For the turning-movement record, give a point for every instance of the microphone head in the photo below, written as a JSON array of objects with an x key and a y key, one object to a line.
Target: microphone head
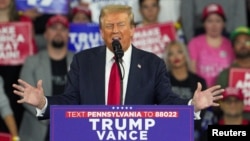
[{"x": 117, "y": 47}]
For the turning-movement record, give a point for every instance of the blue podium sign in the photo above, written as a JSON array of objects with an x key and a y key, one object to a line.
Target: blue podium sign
[{"x": 121, "y": 123}]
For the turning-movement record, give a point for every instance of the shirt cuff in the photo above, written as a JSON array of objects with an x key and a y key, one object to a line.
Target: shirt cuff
[
  {"x": 40, "y": 112},
  {"x": 196, "y": 114}
]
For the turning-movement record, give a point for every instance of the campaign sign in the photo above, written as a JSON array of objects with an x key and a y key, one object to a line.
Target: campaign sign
[
  {"x": 15, "y": 42},
  {"x": 5, "y": 136},
  {"x": 154, "y": 38},
  {"x": 44, "y": 6},
  {"x": 84, "y": 36},
  {"x": 240, "y": 78},
  {"x": 123, "y": 123}
]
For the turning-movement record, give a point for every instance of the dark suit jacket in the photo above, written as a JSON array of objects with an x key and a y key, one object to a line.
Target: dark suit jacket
[{"x": 147, "y": 85}]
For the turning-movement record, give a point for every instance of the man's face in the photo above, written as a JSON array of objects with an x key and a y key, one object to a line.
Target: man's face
[
  {"x": 232, "y": 107},
  {"x": 4, "y": 4},
  {"x": 57, "y": 33},
  {"x": 117, "y": 26},
  {"x": 242, "y": 46},
  {"x": 150, "y": 10}
]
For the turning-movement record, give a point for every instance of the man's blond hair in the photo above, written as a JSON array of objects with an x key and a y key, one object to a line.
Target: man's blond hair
[{"x": 108, "y": 9}]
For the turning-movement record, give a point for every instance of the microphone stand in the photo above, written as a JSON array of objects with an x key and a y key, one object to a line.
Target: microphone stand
[{"x": 118, "y": 59}]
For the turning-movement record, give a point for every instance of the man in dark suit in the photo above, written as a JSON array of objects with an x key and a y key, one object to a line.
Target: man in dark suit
[{"x": 145, "y": 82}]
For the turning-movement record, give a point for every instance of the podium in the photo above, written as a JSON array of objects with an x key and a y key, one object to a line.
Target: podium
[{"x": 121, "y": 123}]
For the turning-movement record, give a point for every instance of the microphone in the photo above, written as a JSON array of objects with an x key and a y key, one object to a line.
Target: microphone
[{"x": 117, "y": 47}]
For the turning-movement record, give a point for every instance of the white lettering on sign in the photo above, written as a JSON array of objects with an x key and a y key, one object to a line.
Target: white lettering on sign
[
  {"x": 151, "y": 40},
  {"x": 122, "y": 129},
  {"x": 83, "y": 41},
  {"x": 244, "y": 85},
  {"x": 9, "y": 42},
  {"x": 39, "y": 2}
]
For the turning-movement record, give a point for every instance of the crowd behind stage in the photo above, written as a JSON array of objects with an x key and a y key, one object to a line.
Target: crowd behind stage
[{"x": 212, "y": 47}]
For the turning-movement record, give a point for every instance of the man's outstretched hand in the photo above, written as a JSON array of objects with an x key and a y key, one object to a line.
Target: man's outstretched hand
[
  {"x": 206, "y": 98},
  {"x": 30, "y": 95}
]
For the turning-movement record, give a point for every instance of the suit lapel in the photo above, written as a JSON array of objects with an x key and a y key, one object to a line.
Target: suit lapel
[
  {"x": 98, "y": 75},
  {"x": 46, "y": 73},
  {"x": 134, "y": 77}
]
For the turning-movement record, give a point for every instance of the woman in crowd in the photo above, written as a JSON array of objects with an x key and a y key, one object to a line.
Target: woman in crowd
[
  {"x": 10, "y": 72},
  {"x": 7, "y": 114},
  {"x": 211, "y": 52},
  {"x": 80, "y": 14},
  {"x": 184, "y": 82}
]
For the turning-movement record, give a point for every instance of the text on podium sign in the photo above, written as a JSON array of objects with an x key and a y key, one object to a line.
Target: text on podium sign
[{"x": 123, "y": 123}]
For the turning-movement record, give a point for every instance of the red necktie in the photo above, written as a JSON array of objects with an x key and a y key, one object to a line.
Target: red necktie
[{"x": 114, "y": 87}]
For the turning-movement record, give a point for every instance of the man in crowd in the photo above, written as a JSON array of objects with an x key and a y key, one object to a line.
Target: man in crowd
[
  {"x": 51, "y": 65},
  {"x": 241, "y": 44},
  {"x": 232, "y": 107}
]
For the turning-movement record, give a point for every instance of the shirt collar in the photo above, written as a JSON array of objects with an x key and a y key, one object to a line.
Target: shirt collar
[{"x": 126, "y": 57}]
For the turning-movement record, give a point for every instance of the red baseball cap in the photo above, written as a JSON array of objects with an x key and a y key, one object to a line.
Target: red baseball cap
[
  {"x": 81, "y": 9},
  {"x": 232, "y": 91},
  {"x": 213, "y": 8},
  {"x": 58, "y": 19}
]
